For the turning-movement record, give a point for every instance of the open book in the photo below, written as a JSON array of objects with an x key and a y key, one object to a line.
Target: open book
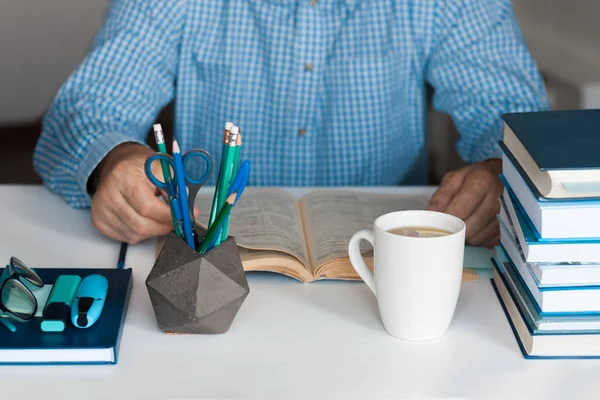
[{"x": 306, "y": 238}]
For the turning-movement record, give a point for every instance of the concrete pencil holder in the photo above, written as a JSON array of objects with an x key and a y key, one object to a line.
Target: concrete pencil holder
[{"x": 196, "y": 293}]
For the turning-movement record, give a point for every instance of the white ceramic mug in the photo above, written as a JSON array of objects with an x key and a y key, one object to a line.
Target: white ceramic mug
[{"x": 416, "y": 280}]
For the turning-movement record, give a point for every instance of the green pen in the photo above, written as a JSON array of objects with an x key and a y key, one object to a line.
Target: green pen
[
  {"x": 236, "y": 162},
  {"x": 166, "y": 170}
]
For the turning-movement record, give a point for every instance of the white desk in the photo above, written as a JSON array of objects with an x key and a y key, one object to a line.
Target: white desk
[{"x": 289, "y": 341}]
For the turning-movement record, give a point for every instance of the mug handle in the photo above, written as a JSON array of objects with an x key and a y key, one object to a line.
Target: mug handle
[{"x": 356, "y": 259}]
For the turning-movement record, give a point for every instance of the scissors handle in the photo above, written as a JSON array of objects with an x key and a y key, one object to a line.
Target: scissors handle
[
  {"x": 194, "y": 185},
  {"x": 148, "y": 169},
  {"x": 203, "y": 154}
]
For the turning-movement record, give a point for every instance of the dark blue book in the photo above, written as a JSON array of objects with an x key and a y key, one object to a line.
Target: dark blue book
[
  {"x": 98, "y": 344},
  {"x": 556, "y": 152}
]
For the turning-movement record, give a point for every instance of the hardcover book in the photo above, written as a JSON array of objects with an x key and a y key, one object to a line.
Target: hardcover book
[
  {"x": 557, "y": 151},
  {"x": 535, "y": 344},
  {"x": 98, "y": 344}
]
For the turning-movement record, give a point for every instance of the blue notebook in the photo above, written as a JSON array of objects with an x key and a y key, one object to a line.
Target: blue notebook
[
  {"x": 98, "y": 344},
  {"x": 555, "y": 151}
]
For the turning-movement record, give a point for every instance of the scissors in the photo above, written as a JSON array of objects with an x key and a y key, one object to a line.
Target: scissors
[{"x": 193, "y": 185}]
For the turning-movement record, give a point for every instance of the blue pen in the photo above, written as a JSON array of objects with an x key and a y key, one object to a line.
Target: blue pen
[
  {"x": 182, "y": 197},
  {"x": 238, "y": 185},
  {"x": 241, "y": 179}
]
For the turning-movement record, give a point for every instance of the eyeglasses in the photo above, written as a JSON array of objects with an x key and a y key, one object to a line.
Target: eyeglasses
[{"x": 17, "y": 301}]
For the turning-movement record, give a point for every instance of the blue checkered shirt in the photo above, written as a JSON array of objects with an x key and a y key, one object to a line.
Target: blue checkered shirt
[{"x": 326, "y": 92}]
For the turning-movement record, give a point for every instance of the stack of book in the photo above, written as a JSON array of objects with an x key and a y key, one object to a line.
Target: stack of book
[{"x": 547, "y": 266}]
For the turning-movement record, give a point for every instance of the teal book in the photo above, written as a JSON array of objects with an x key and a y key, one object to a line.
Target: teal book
[
  {"x": 564, "y": 300},
  {"x": 535, "y": 344},
  {"x": 541, "y": 322},
  {"x": 98, "y": 344},
  {"x": 556, "y": 152}
]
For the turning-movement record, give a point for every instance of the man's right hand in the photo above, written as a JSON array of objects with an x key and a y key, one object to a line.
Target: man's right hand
[{"x": 126, "y": 205}]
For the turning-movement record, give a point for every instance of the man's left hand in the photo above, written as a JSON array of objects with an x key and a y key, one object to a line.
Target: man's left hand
[{"x": 471, "y": 194}]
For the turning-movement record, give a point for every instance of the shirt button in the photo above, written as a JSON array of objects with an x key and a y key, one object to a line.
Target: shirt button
[
  {"x": 314, "y": 2},
  {"x": 308, "y": 67},
  {"x": 301, "y": 132}
]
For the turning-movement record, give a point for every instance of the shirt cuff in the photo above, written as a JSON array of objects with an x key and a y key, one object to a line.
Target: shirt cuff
[{"x": 96, "y": 151}]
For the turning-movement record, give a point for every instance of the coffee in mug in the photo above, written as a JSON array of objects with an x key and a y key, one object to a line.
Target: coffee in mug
[{"x": 419, "y": 231}]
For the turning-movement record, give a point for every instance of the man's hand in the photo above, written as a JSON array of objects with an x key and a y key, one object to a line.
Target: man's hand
[
  {"x": 125, "y": 206},
  {"x": 471, "y": 194}
]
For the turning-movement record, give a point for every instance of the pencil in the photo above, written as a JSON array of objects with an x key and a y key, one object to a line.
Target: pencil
[
  {"x": 236, "y": 162},
  {"x": 214, "y": 210},
  {"x": 214, "y": 230},
  {"x": 122, "y": 255},
  {"x": 225, "y": 177},
  {"x": 166, "y": 170}
]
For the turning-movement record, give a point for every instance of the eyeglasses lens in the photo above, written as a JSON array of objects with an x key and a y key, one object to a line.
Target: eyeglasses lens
[{"x": 17, "y": 299}]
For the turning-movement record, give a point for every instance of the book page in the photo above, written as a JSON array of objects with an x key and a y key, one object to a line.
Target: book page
[
  {"x": 332, "y": 217},
  {"x": 274, "y": 261},
  {"x": 263, "y": 219}
]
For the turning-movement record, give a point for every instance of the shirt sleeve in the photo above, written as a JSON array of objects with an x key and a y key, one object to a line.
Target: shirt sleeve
[
  {"x": 480, "y": 68},
  {"x": 113, "y": 96}
]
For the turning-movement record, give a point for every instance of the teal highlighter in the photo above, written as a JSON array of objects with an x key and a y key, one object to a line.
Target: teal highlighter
[{"x": 57, "y": 312}]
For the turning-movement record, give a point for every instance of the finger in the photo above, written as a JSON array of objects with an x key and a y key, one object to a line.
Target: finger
[
  {"x": 140, "y": 227},
  {"x": 483, "y": 215},
  {"x": 450, "y": 185},
  {"x": 486, "y": 235},
  {"x": 121, "y": 216},
  {"x": 119, "y": 231},
  {"x": 465, "y": 203},
  {"x": 163, "y": 194},
  {"x": 107, "y": 223},
  {"x": 143, "y": 200}
]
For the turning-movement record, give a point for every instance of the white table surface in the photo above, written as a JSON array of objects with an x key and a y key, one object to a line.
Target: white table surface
[{"x": 290, "y": 340}]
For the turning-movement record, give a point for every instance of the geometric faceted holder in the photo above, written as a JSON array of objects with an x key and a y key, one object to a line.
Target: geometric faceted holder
[{"x": 197, "y": 293}]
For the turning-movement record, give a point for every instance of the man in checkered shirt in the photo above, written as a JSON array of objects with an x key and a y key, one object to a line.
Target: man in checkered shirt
[{"x": 326, "y": 92}]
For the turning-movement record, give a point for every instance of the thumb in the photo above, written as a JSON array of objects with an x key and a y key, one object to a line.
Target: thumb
[{"x": 449, "y": 186}]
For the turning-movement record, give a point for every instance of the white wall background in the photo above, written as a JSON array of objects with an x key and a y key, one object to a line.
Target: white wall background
[
  {"x": 564, "y": 35},
  {"x": 42, "y": 41}
]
